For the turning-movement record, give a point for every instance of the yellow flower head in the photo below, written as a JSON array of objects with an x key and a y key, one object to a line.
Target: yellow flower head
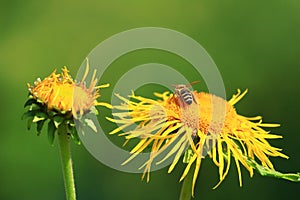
[
  {"x": 168, "y": 126},
  {"x": 56, "y": 92},
  {"x": 59, "y": 100}
]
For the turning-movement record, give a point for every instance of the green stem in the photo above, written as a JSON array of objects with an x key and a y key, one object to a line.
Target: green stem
[
  {"x": 186, "y": 188},
  {"x": 66, "y": 161}
]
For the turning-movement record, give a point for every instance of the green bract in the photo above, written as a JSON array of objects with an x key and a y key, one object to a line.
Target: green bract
[{"x": 39, "y": 113}]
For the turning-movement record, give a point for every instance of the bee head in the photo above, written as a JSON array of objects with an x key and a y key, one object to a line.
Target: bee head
[
  {"x": 183, "y": 86},
  {"x": 180, "y": 87}
]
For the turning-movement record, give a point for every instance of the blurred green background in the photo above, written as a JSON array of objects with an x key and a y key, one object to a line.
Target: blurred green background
[{"x": 255, "y": 44}]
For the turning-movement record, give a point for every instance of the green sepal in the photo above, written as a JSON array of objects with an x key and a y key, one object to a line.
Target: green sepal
[
  {"x": 29, "y": 113},
  {"x": 74, "y": 134},
  {"x": 40, "y": 116},
  {"x": 59, "y": 110},
  {"x": 62, "y": 111},
  {"x": 29, "y": 102},
  {"x": 39, "y": 101},
  {"x": 94, "y": 110},
  {"x": 71, "y": 123},
  {"x": 51, "y": 114},
  {"x": 91, "y": 124},
  {"x": 29, "y": 122},
  {"x": 35, "y": 107},
  {"x": 188, "y": 154},
  {"x": 58, "y": 120},
  {"x": 51, "y": 131},
  {"x": 39, "y": 126}
]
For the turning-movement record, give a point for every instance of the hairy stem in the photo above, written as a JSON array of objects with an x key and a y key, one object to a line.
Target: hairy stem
[
  {"x": 66, "y": 161},
  {"x": 186, "y": 188}
]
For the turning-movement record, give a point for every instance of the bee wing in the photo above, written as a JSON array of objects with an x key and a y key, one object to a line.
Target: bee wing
[{"x": 194, "y": 99}]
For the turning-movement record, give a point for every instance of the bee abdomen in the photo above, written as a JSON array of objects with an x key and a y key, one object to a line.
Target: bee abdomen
[{"x": 187, "y": 96}]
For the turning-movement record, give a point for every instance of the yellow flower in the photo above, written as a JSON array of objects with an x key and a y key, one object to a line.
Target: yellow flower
[
  {"x": 166, "y": 126},
  {"x": 59, "y": 100},
  {"x": 56, "y": 92}
]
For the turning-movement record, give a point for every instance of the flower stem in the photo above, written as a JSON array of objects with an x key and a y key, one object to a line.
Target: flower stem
[
  {"x": 66, "y": 161},
  {"x": 186, "y": 188}
]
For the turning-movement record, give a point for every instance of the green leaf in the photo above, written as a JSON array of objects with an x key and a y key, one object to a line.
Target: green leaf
[
  {"x": 39, "y": 117},
  {"x": 58, "y": 120},
  {"x": 51, "y": 131},
  {"x": 264, "y": 171},
  {"x": 39, "y": 126}
]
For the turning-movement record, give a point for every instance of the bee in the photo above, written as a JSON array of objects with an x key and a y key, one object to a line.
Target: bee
[
  {"x": 190, "y": 111},
  {"x": 184, "y": 94}
]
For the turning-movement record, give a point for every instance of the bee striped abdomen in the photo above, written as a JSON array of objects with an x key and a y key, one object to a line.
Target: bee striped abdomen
[{"x": 186, "y": 96}]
